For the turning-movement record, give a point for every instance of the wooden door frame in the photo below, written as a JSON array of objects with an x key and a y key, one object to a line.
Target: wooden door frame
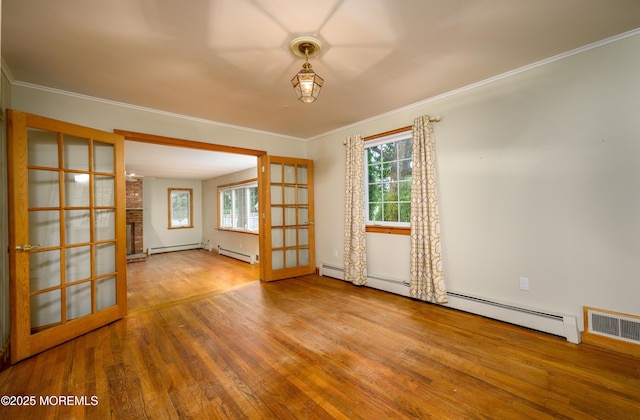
[{"x": 191, "y": 144}]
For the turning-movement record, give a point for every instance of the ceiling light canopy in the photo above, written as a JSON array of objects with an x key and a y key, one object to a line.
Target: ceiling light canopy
[{"x": 306, "y": 82}]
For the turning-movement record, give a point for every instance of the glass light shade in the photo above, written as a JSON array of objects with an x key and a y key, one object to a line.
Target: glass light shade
[{"x": 307, "y": 84}]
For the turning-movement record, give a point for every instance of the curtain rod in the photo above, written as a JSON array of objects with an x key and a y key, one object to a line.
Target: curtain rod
[{"x": 437, "y": 118}]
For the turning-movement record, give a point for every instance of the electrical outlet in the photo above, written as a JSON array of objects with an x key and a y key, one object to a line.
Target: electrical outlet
[
  {"x": 524, "y": 283},
  {"x": 335, "y": 252}
]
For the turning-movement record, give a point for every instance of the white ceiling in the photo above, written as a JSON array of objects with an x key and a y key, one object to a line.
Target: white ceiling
[
  {"x": 150, "y": 160},
  {"x": 228, "y": 61}
]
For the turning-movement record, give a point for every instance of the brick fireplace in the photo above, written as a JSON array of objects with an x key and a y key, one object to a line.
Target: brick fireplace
[{"x": 135, "y": 246}]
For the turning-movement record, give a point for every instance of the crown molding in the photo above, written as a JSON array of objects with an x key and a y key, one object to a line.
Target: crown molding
[{"x": 145, "y": 109}]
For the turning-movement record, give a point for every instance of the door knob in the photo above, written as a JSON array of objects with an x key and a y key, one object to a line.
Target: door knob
[{"x": 26, "y": 247}]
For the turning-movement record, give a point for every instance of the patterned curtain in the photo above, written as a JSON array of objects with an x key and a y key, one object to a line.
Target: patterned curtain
[
  {"x": 427, "y": 280},
  {"x": 355, "y": 250}
]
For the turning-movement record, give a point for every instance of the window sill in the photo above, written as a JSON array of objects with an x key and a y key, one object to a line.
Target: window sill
[
  {"x": 392, "y": 230},
  {"x": 238, "y": 231}
]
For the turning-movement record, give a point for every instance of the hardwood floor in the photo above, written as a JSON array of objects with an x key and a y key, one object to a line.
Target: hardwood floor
[
  {"x": 314, "y": 347},
  {"x": 172, "y": 276}
]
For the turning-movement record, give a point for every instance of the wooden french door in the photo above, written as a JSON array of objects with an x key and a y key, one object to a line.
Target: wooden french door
[
  {"x": 286, "y": 217},
  {"x": 66, "y": 231}
]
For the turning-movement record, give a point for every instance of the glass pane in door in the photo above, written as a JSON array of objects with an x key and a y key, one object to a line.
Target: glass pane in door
[
  {"x": 46, "y": 310},
  {"x": 303, "y": 236},
  {"x": 277, "y": 259},
  {"x": 78, "y": 300},
  {"x": 44, "y": 270},
  {"x": 303, "y": 175},
  {"x": 75, "y": 153},
  {"x": 289, "y": 194},
  {"x": 303, "y": 215},
  {"x": 303, "y": 256},
  {"x": 103, "y": 157},
  {"x": 291, "y": 238},
  {"x": 77, "y": 226},
  {"x": 42, "y": 147},
  {"x": 45, "y": 228},
  {"x": 276, "y": 216},
  {"x": 104, "y": 190},
  {"x": 290, "y": 216},
  {"x": 276, "y": 173},
  {"x": 303, "y": 195},
  {"x": 78, "y": 263},
  {"x": 105, "y": 292},
  {"x": 276, "y": 194},
  {"x": 105, "y": 258},
  {"x": 105, "y": 225},
  {"x": 44, "y": 188},
  {"x": 289, "y": 174},
  {"x": 290, "y": 258},
  {"x": 76, "y": 191},
  {"x": 277, "y": 238}
]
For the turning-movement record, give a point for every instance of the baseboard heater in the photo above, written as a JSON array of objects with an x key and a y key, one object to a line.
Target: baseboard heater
[
  {"x": 171, "y": 248},
  {"x": 238, "y": 255},
  {"x": 556, "y": 324}
]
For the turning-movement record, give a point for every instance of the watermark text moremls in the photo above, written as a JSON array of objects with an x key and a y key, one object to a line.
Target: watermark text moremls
[{"x": 69, "y": 400}]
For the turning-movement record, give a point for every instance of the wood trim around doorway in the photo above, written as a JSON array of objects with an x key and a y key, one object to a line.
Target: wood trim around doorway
[{"x": 190, "y": 144}]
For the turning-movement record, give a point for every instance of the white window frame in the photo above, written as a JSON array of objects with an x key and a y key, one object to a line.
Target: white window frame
[
  {"x": 247, "y": 186},
  {"x": 392, "y": 138},
  {"x": 173, "y": 222}
]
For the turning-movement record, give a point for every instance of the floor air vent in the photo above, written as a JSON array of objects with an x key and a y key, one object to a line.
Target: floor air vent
[{"x": 614, "y": 325}]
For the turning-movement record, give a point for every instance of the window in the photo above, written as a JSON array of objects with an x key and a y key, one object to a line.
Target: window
[
  {"x": 180, "y": 208},
  {"x": 388, "y": 163},
  {"x": 238, "y": 206}
]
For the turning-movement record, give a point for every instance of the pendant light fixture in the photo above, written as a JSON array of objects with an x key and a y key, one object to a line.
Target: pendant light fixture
[{"x": 306, "y": 83}]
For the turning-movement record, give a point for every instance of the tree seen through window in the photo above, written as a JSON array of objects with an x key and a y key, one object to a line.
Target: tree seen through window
[{"x": 389, "y": 181}]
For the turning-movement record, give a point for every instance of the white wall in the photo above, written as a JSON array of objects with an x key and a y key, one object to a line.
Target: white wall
[
  {"x": 107, "y": 116},
  {"x": 155, "y": 213},
  {"x": 539, "y": 175},
  {"x": 245, "y": 242}
]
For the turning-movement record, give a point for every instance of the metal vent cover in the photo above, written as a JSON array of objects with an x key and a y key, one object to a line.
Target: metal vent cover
[{"x": 616, "y": 326}]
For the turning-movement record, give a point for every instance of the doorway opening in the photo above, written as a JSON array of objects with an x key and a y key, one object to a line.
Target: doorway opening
[{"x": 153, "y": 164}]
